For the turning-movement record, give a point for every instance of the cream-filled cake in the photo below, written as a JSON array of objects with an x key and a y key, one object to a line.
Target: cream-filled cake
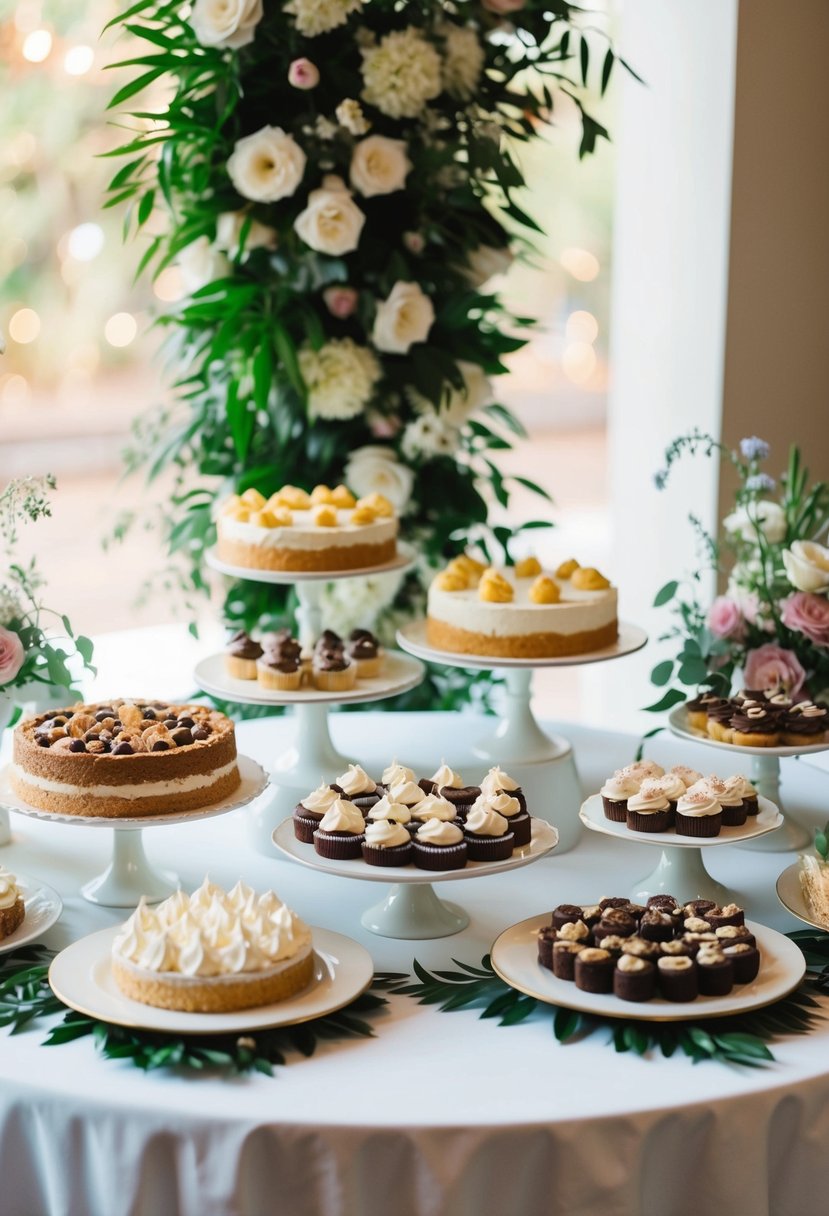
[
  {"x": 521, "y": 611},
  {"x": 213, "y": 951},
  {"x": 12, "y": 907},
  {"x": 293, "y": 530}
]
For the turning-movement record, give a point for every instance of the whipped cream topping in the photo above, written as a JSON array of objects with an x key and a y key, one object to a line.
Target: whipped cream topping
[
  {"x": 397, "y": 773},
  {"x": 650, "y": 799},
  {"x": 672, "y": 786},
  {"x": 445, "y": 776},
  {"x": 343, "y": 816},
  {"x": 434, "y": 807},
  {"x": 620, "y": 787},
  {"x": 385, "y": 809},
  {"x": 739, "y": 784},
  {"x": 482, "y": 820},
  {"x": 439, "y": 832},
  {"x": 677, "y": 962},
  {"x": 503, "y": 803},
  {"x": 320, "y": 799},
  {"x": 630, "y": 962},
  {"x": 686, "y": 774},
  {"x": 355, "y": 780},
  {"x": 212, "y": 933},
  {"x": 696, "y": 803},
  {"x": 497, "y": 780},
  {"x": 9, "y": 890},
  {"x": 386, "y": 834},
  {"x": 643, "y": 769},
  {"x": 407, "y": 792}
]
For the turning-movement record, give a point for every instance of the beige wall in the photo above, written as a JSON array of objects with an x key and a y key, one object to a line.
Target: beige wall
[{"x": 776, "y": 376}]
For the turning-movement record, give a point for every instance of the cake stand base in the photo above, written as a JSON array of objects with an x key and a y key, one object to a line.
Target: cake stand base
[
  {"x": 413, "y": 911},
  {"x": 518, "y": 739},
  {"x": 680, "y": 872},
  {"x": 129, "y": 876},
  {"x": 765, "y": 776}
]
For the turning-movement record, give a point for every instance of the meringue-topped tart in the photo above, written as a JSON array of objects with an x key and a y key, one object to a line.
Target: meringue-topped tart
[{"x": 213, "y": 951}]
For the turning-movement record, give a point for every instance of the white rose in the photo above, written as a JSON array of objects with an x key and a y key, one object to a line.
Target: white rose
[
  {"x": 484, "y": 262},
  {"x": 403, "y": 319},
  {"x": 201, "y": 263},
  {"x": 807, "y": 565},
  {"x": 358, "y": 605},
  {"x": 375, "y": 469},
  {"x": 769, "y": 517},
  {"x": 477, "y": 393},
  {"x": 267, "y": 165},
  {"x": 379, "y": 165},
  {"x": 225, "y": 22},
  {"x": 340, "y": 378},
  {"x": 332, "y": 221},
  {"x": 429, "y": 435},
  {"x": 229, "y": 230}
]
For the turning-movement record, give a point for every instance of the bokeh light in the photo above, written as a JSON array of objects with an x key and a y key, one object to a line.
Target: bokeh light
[
  {"x": 121, "y": 329},
  {"x": 24, "y": 326},
  {"x": 582, "y": 327},
  {"x": 578, "y": 361},
  {"x": 78, "y": 60},
  {"x": 37, "y": 46},
  {"x": 581, "y": 264}
]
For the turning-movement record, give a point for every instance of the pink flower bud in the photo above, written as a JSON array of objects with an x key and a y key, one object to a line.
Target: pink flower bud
[
  {"x": 503, "y": 6},
  {"x": 340, "y": 301},
  {"x": 414, "y": 242},
  {"x": 303, "y": 74}
]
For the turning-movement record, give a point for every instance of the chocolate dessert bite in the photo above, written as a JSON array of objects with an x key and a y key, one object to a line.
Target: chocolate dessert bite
[
  {"x": 634, "y": 979},
  {"x": 594, "y": 970}
]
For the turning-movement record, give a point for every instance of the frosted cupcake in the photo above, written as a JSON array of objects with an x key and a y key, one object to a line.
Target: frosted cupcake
[
  {"x": 508, "y": 805},
  {"x": 649, "y": 810},
  {"x": 356, "y": 785},
  {"x": 615, "y": 794},
  {"x": 687, "y": 775},
  {"x": 407, "y": 792},
  {"x": 729, "y": 794},
  {"x": 698, "y": 814},
  {"x": 433, "y": 807},
  {"x": 499, "y": 782},
  {"x": 396, "y": 773},
  {"x": 643, "y": 769},
  {"x": 673, "y": 787},
  {"x": 746, "y": 789},
  {"x": 387, "y": 844},
  {"x": 309, "y": 812},
  {"x": 394, "y": 811},
  {"x": 341, "y": 832},
  {"x": 442, "y": 776},
  {"x": 439, "y": 845},
  {"x": 488, "y": 836}
]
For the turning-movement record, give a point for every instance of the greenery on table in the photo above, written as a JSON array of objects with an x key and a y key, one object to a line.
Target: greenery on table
[
  {"x": 286, "y": 367},
  {"x": 25, "y": 995},
  {"x": 741, "y": 1039},
  {"x": 772, "y": 622}
]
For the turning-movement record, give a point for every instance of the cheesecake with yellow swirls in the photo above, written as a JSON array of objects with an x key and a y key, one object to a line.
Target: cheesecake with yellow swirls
[
  {"x": 521, "y": 611},
  {"x": 213, "y": 951},
  {"x": 326, "y": 529}
]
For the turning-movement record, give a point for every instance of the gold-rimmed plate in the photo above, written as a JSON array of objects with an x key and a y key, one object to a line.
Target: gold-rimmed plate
[
  {"x": 790, "y": 894},
  {"x": 81, "y": 976},
  {"x": 515, "y": 959}
]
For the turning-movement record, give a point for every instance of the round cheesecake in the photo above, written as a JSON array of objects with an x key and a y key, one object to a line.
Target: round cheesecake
[
  {"x": 124, "y": 759},
  {"x": 213, "y": 951},
  {"x": 518, "y": 625}
]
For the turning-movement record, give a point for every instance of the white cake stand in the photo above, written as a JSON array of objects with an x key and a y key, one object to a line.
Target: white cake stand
[
  {"x": 129, "y": 874},
  {"x": 411, "y": 908},
  {"x": 518, "y": 739},
  {"x": 680, "y": 870},
  {"x": 312, "y": 756},
  {"x": 764, "y": 773}
]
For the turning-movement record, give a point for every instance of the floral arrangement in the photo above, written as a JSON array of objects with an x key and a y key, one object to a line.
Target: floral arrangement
[
  {"x": 336, "y": 181},
  {"x": 30, "y": 652},
  {"x": 771, "y": 624}
]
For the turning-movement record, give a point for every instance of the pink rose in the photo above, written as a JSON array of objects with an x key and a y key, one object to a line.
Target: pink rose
[
  {"x": 12, "y": 655},
  {"x": 340, "y": 301},
  {"x": 808, "y": 614},
  {"x": 303, "y": 74},
  {"x": 414, "y": 242},
  {"x": 503, "y": 6},
  {"x": 725, "y": 620},
  {"x": 382, "y": 427},
  {"x": 771, "y": 666}
]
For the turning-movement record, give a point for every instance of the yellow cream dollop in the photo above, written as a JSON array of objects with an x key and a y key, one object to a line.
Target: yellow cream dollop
[
  {"x": 325, "y": 516},
  {"x": 292, "y": 497},
  {"x": 230, "y": 504},
  {"x": 528, "y": 567},
  {"x": 467, "y": 566},
  {"x": 447, "y": 581},
  {"x": 323, "y": 495},
  {"x": 240, "y": 511},
  {"x": 588, "y": 578},
  {"x": 264, "y": 519},
  {"x": 567, "y": 569},
  {"x": 494, "y": 588},
  {"x": 544, "y": 591},
  {"x": 378, "y": 503},
  {"x": 363, "y": 515},
  {"x": 342, "y": 497},
  {"x": 254, "y": 499}
]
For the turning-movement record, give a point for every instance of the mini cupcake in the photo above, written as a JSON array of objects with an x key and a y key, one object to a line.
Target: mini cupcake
[
  {"x": 328, "y": 642},
  {"x": 718, "y": 714},
  {"x": 755, "y": 726},
  {"x": 509, "y": 806},
  {"x": 387, "y": 843},
  {"x": 804, "y": 724},
  {"x": 333, "y": 671},
  {"x": 745, "y": 960},
  {"x": 443, "y": 775},
  {"x": 615, "y": 794},
  {"x": 615, "y": 921},
  {"x": 649, "y": 810},
  {"x": 698, "y": 814},
  {"x": 566, "y": 914},
  {"x": 278, "y": 673},
  {"x": 432, "y": 806},
  {"x": 282, "y": 641},
  {"x": 715, "y": 972},
  {"x": 364, "y": 650},
  {"x": 677, "y": 977},
  {"x": 439, "y": 845},
  {"x": 499, "y": 782},
  {"x": 699, "y": 941},
  {"x": 673, "y": 787},
  {"x": 462, "y": 797},
  {"x": 487, "y": 834},
  {"x": 594, "y": 969},
  {"x": 696, "y": 710},
  {"x": 747, "y": 790},
  {"x": 634, "y": 979},
  {"x": 395, "y": 773},
  {"x": 241, "y": 655},
  {"x": 407, "y": 792},
  {"x": 642, "y": 770},
  {"x": 731, "y": 914},
  {"x": 546, "y": 937},
  {"x": 309, "y": 812},
  {"x": 356, "y": 784},
  {"x": 656, "y": 926},
  {"x": 384, "y": 808},
  {"x": 686, "y": 775},
  {"x": 341, "y": 832},
  {"x": 564, "y": 959},
  {"x": 729, "y": 794}
]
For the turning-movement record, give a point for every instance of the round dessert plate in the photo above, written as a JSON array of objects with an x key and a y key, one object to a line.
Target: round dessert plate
[
  {"x": 81, "y": 977},
  {"x": 544, "y": 840},
  {"x": 254, "y": 781},
  {"x": 678, "y": 722},
  {"x": 790, "y": 894},
  {"x": 403, "y": 559},
  {"x": 412, "y": 637},
  {"x": 515, "y": 959},
  {"x": 768, "y": 818},
  {"x": 400, "y": 673},
  {"x": 43, "y": 908}
]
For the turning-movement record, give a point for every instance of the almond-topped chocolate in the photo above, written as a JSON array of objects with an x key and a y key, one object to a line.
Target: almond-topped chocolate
[{"x": 125, "y": 759}]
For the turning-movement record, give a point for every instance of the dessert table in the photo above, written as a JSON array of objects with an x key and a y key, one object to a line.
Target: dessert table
[{"x": 441, "y": 1113}]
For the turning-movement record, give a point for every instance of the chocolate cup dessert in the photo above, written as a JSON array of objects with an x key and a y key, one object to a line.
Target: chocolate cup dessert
[
  {"x": 698, "y": 907},
  {"x": 305, "y": 824},
  {"x": 462, "y": 798},
  {"x": 490, "y": 848},
  {"x": 521, "y": 828},
  {"x": 427, "y": 785},
  {"x": 715, "y": 974},
  {"x": 701, "y": 826},
  {"x": 614, "y": 922},
  {"x": 339, "y": 846},
  {"x": 746, "y": 962},
  {"x": 639, "y": 947},
  {"x": 566, "y": 914},
  {"x": 677, "y": 977},
  {"x": 634, "y": 979},
  {"x": 656, "y": 926},
  {"x": 654, "y": 821},
  {"x": 734, "y": 935},
  {"x": 734, "y": 816},
  {"x": 440, "y": 857},
  {"x": 594, "y": 970},
  {"x": 615, "y": 809},
  {"x": 717, "y": 918},
  {"x": 395, "y": 855},
  {"x": 564, "y": 959},
  {"x": 696, "y": 941},
  {"x": 546, "y": 938}
]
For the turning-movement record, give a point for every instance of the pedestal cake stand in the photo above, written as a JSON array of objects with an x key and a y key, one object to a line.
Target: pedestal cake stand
[
  {"x": 764, "y": 773},
  {"x": 681, "y": 869},
  {"x": 411, "y": 909},
  {"x": 129, "y": 874},
  {"x": 518, "y": 738},
  {"x": 311, "y": 756}
]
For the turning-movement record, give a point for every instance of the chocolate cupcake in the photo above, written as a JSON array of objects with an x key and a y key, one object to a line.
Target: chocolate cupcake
[
  {"x": 329, "y": 642},
  {"x": 566, "y": 914},
  {"x": 356, "y": 785},
  {"x": 698, "y": 814},
  {"x": 718, "y": 714},
  {"x": 309, "y": 812},
  {"x": 282, "y": 643},
  {"x": 442, "y": 776},
  {"x": 432, "y": 806},
  {"x": 732, "y": 800},
  {"x": 487, "y": 834},
  {"x": 499, "y": 782},
  {"x": 462, "y": 798},
  {"x": 745, "y": 960},
  {"x": 387, "y": 843},
  {"x": 394, "y": 774},
  {"x": 747, "y": 790},
  {"x": 241, "y": 656},
  {"x": 731, "y": 914},
  {"x": 333, "y": 671},
  {"x": 508, "y": 805},
  {"x": 804, "y": 724},
  {"x": 546, "y": 937},
  {"x": 673, "y": 787},
  {"x": 755, "y": 726},
  {"x": 696, "y": 710},
  {"x": 564, "y": 959},
  {"x": 408, "y": 793},
  {"x": 715, "y": 972},
  {"x": 656, "y": 926},
  {"x": 364, "y": 650},
  {"x": 677, "y": 977},
  {"x": 341, "y": 832},
  {"x": 649, "y": 810},
  {"x": 687, "y": 775},
  {"x": 615, "y": 794},
  {"x": 594, "y": 969},
  {"x": 439, "y": 845},
  {"x": 634, "y": 979},
  {"x": 614, "y": 921},
  {"x": 643, "y": 770},
  {"x": 384, "y": 808}
]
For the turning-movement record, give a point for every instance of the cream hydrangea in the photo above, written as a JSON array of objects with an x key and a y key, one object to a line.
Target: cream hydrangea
[
  {"x": 463, "y": 60},
  {"x": 315, "y": 17},
  {"x": 340, "y": 378},
  {"x": 427, "y": 436},
  {"x": 356, "y": 603},
  {"x": 350, "y": 115},
  {"x": 401, "y": 73},
  {"x": 375, "y": 469}
]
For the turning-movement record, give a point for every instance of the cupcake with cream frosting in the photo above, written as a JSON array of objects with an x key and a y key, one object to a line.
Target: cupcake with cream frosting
[
  {"x": 310, "y": 810},
  {"x": 508, "y": 806},
  {"x": 497, "y": 781},
  {"x": 384, "y": 808},
  {"x": 341, "y": 832},
  {"x": 387, "y": 843},
  {"x": 356, "y": 785},
  {"x": 687, "y": 775},
  {"x": 643, "y": 769},
  {"x": 649, "y": 810},
  {"x": 440, "y": 845},
  {"x": 749, "y": 794},
  {"x": 615, "y": 794},
  {"x": 698, "y": 814},
  {"x": 433, "y": 806},
  {"x": 488, "y": 835},
  {"x": 442, "y": 776},
  {"x": 407, "y": 792},
  {"x": 396, "y": 773}
]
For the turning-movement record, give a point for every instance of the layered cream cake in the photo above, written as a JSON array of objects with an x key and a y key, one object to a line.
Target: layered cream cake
[
  {"x": 122, "y": 759},
  {"x": 293, "y": 530},
  {"x": 213, "y": 951},
  {"x": 522, "y": 611},
  {"x": 12, "y": 908}
]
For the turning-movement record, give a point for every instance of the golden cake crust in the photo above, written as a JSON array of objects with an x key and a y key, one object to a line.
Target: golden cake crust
[
  {"x": 336, "y": 557},
  {"x": 444, "y": 636},
  {"x": 219, "y": 994},
  {"x": 12, "y": 918}
]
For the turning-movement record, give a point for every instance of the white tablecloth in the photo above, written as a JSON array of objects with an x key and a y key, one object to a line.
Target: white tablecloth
[{"x": 441, "y": 1113}]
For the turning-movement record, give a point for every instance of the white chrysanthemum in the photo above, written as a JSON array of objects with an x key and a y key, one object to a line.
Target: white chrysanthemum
[
  {"x": 350, "y": 115},
  {"x": 314, "y": 17},
  {"x": 401, "y": 73},
  {"x": 356, "y": 603},
  {"x": 375, "y": 469},
  {"x": 463, "y": 60},
  {"x": 340, "y": 378},
  {"x": 428, "y": 436}
]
